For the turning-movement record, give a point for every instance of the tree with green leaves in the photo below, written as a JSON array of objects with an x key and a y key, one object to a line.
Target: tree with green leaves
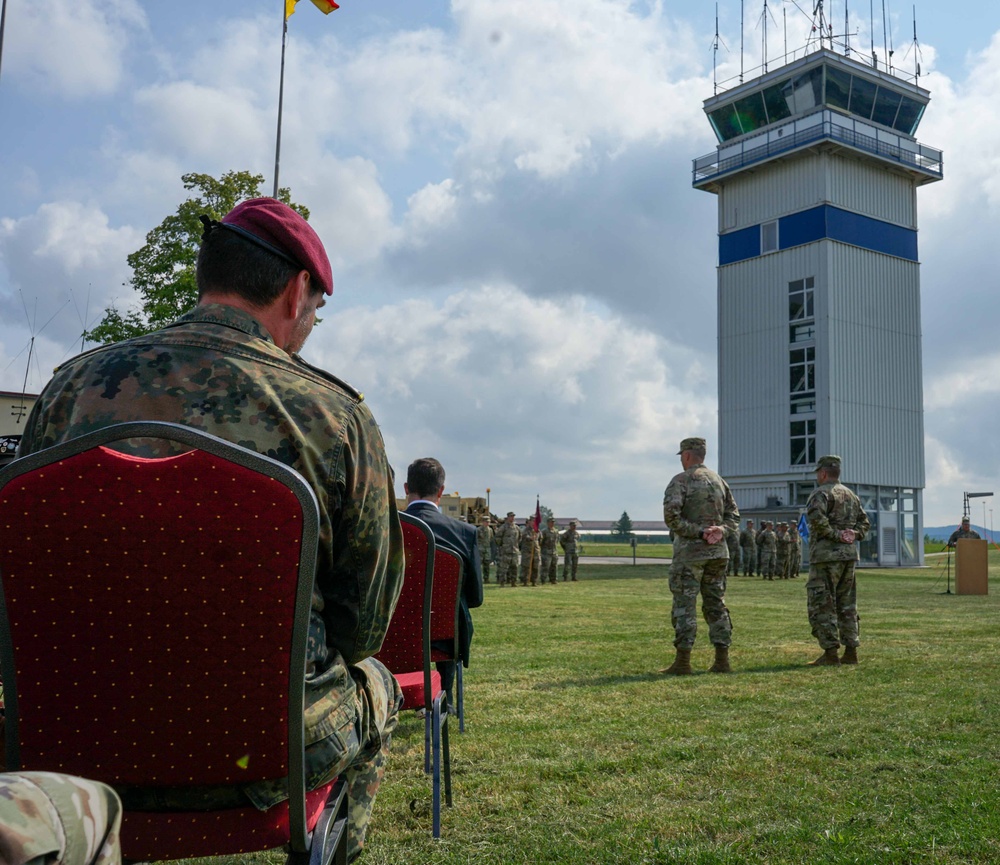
[
  {"x": 163, "y": 271},
  {"x": 622, "y": 528}
]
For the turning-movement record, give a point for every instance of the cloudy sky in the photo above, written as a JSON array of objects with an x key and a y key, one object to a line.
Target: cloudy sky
[{"x": 525, "y": 279}]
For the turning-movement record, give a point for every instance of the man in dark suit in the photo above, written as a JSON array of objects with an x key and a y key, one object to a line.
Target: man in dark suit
[{"x": 424, "y": 487}]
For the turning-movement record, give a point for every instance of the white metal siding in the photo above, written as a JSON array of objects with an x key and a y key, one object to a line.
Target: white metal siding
[
  {"x": 871, "y": 344},
  {"x": 843, "y": 179}
]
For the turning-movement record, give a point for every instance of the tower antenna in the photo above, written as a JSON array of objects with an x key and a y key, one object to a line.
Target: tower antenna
[
  {"x": 741, "y": 40},
  {"x": 715, "y": 50},
  {"x": 847, "y": 31},
  {"x": 915, "y": 47},
  {"x": 871, "y": 31}
]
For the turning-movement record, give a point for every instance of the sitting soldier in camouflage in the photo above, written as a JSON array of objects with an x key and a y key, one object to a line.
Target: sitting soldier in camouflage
[{"x": 230, "y": 367}]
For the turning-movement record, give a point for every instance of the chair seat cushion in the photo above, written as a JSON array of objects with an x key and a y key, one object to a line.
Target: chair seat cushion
[
  {"x": 412, "y": 686},
  {"x": 155, "y": 835}
]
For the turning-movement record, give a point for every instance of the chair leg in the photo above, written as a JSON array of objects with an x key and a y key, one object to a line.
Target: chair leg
[
  {"x": 447, "y": 761},
  {"x": 460, "y": 691},
  {"x": 436, "y": 777},
  {"x": 428, "y": 718}
]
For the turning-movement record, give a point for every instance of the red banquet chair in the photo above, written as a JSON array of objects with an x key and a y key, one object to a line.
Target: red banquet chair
[
  {"x": 445, "y": 608},
  {"x": 406, "y": 651},
  {"x": 153, "y": 623}
]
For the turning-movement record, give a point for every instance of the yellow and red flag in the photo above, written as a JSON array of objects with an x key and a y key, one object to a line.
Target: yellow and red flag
[{"x": 324, "y": 6}]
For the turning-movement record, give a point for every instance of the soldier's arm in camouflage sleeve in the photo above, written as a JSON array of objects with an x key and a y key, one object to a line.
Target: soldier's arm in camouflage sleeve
[
  {"x": 816, "y": 516},
  {"x": 673, "y": 502},
  {"x": 367, "y": 544},
  {"x": 731, "y": 513},
  {"x": 861, "y": 525}
]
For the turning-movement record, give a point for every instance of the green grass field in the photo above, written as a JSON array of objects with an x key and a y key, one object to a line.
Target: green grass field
[{"x": 577, "y": 751}]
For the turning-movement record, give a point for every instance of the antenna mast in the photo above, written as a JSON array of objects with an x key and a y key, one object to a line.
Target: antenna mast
[{"x": 741, "y": 40}]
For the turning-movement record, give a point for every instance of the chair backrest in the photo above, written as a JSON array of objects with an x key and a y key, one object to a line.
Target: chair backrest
[
  {"x": 154, "y": 612},
  {"x": 445, "y": 606},
  {"x": 407, "y": 644}
]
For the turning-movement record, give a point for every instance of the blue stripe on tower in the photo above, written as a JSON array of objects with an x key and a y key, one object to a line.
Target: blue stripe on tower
[{"x": 823, "y": 223}]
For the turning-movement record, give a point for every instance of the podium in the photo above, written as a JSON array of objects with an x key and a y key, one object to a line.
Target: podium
[{"x": 971, "y": 570}]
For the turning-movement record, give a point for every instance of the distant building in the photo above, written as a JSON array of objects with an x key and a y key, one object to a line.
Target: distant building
[
  {"x": 14, "y": 410},
  {"x": 819, "y": 335}
]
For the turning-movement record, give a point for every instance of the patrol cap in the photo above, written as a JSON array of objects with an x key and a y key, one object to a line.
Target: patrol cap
[
  {"x": 831, "y": 461},
  {"x": 510, "y": 513},
  {"x": 274, "y": 226},
  {"x": 692, "y": 444},
  {"x": 965, "y": 520}
]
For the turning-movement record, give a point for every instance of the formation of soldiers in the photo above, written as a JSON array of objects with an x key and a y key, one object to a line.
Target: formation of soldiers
[
  {"x": 765, "y": 552},
  {"x": 537, "y": 552}
]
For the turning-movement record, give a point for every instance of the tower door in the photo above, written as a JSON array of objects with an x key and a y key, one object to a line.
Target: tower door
[{"x": 889, "y": 540}]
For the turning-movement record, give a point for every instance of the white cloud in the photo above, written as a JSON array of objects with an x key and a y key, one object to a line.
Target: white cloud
[
  {"x": 524, "y": 395},
  {"x": 71, "y": 48}
]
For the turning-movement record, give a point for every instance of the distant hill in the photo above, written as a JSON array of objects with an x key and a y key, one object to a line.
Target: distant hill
[{"x": 942, "y": 533}]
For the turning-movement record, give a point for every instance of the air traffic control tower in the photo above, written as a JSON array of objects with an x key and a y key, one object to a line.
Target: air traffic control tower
[{"x": 816, "y": 172}]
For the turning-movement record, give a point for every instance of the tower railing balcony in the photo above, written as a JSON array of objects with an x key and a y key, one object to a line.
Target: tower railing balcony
[{"x": 810, "y": 128}]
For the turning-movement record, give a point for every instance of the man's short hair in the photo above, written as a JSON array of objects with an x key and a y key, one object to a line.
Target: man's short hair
[
  {"x": 425, "y": 476},
  {"x": 230, "y": 264}
]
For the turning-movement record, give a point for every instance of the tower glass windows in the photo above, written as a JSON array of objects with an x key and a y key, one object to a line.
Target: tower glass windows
[{"x": 803, "y": 442}]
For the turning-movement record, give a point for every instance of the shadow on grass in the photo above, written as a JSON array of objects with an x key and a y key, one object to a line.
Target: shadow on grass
[{"x": 655, "y": 676}]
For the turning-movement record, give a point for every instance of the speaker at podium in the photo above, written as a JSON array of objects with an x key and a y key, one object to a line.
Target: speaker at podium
[{"x": 971, "y": 568}]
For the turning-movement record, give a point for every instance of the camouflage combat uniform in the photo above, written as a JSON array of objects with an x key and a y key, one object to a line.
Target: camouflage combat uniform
[
  {"x": 217, "y": 369},
  {"x": 59, "y": 819},
  {"x": 484, "y": 537},
  {"x": 508, "y": 538},
  {"x": 767, "y": 543},
  {"x": 733, "y": 544},
  {"x": 794, "y": 552},
  {"x": 531, "y": 556},
  {"x": 961, "y": 534},
  {"x": 831, "y": 587},
  {"x": 781, "y": 543},
  {"x": 568, "y": 540},
  {"x": 694, "y": 500},
  {"x": 748, "y": 545},
  {"x": 550, "y": 554}
]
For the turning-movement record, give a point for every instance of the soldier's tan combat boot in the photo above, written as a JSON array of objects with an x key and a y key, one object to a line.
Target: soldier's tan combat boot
[
  {"x": 829, "y": 658},
  {"x": 721, "y": 664},
  {"x": 850, "y": 655},
  {"x": 681, "y": 665}
]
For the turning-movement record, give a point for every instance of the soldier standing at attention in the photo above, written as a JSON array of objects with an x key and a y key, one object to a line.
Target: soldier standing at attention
[
  {"x": 508, "y": 537},
  {"x": 781, "y": 551},
  {"x": 794, "y": 552},
  {"x": 568, "y": 541},
  {"x": 836, "y": 522},
  {"x": 550, "y": 553},
  {"x": 698, "y": 507},
  {"x": 767, "y": 543},
  {"x": 531, "y": 555},
  {"x": 965, "y": 531},
  {"x": 733, "y": 545},
  {"x": 484, "y": 536},
  {"x": 748, "y": 544}
]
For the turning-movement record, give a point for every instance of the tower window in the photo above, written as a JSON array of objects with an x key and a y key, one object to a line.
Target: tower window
[
  {"x": 800, "y": 300},
  {"x": 769, "y": 237},
  {"x": 802, "y": 372},
  {"x": 803, "y": 442}
]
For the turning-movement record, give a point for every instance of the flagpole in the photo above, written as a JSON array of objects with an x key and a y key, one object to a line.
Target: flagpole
[
  {"x": 281, "y": 94},
  {"x": 3, "y": 22}
]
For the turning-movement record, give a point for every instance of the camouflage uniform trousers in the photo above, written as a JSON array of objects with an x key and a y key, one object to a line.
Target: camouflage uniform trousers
[
  {"x": 832, "y": 602},
  {"x": 708, "y": 577},
  {"x": 507, "y": 568},
  {"x": 749, "y": 560},
  {"x": 50, "y": 818},
  {"x": 531, "y": 566},
  {"x": 734, "y": 563},
  {"x": 485, "y": 560},
  {"x": 794, "y": 561},
  {"x": 570, "y": 560},
  {"x": 781, "y": 563},
  {"x": 766, "y": 565},
  {"x": 550, "y": 567}
]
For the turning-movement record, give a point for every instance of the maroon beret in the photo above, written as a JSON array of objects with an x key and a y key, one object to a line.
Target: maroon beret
[{"x": 279, "y": 229}]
